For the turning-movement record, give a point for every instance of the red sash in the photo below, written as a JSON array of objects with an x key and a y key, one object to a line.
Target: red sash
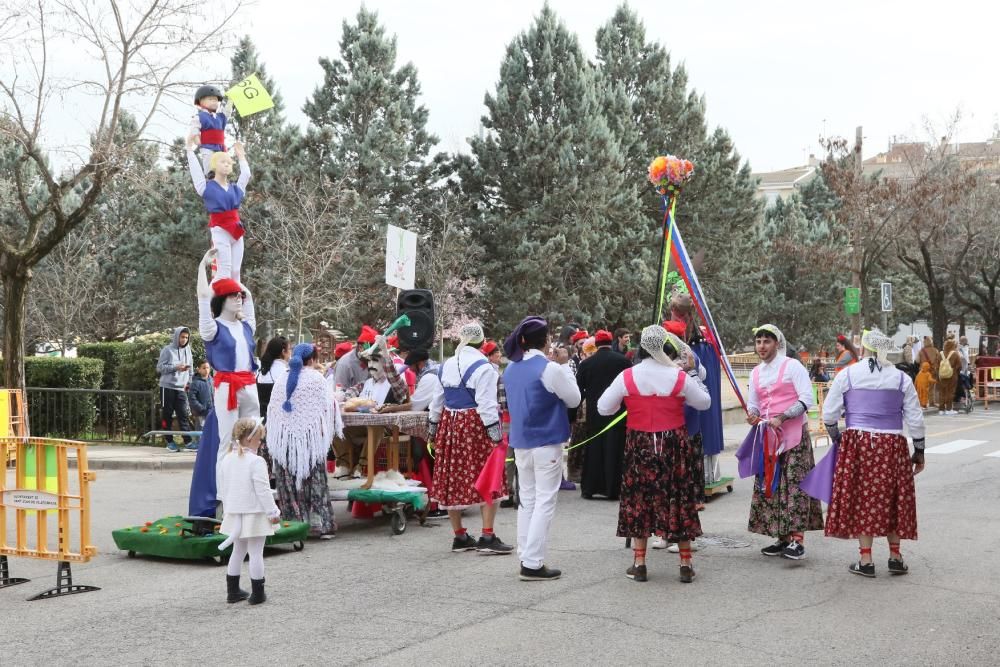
[
  {"x": 228, "y": 220},
  {"x": 214, "y": 137},
  {"x": 237, "y": 380}
]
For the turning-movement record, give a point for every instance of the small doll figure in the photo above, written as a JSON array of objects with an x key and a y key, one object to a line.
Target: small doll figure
[{"x": 210, "y": 122}]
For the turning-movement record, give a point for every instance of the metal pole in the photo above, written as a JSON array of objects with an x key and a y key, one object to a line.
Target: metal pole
[{"x": 855, "y": 241}]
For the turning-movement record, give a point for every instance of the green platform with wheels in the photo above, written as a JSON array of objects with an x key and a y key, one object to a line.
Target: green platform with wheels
[
  {"x": 724, "y": 484},
  {"x": 175, "y": 537}
]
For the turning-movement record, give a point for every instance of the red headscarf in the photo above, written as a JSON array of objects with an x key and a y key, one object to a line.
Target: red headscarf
[
  {"x": 678, "y": 329},
  {"x": 342, "y": 349},
  {"x": 226, "y": 286},
  {"x": 488, "y": 348},
  {"x": 603, "y": 337},
  {"x": 367, "y": 335},
  {"x": 579, "y": 335}
]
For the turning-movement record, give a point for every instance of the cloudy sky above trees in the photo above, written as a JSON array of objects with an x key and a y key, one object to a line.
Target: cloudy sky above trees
[{"x": 775, "y": 74}]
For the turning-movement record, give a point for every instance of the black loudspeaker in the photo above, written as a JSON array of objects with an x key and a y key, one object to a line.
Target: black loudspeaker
[{"x": 418, "y": 305}]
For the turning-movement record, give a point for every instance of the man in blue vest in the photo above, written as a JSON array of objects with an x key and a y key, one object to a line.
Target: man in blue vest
[{"x": 539, "y": 391}]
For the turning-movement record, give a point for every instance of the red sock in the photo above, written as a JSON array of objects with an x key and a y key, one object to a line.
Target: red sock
[
  {"x": 640, "y": 554},
  {"x": 798, "y": 537},
  {"x": 894, "y": 549},
  {"x": 487, "y": 532},
  {"x": 460, "y": 532},
  {"x": 865, "y": 550},
  {"x": 685, "y": 555}
]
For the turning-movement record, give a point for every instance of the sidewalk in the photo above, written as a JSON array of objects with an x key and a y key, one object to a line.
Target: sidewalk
[{"x": 128, "y": 457}]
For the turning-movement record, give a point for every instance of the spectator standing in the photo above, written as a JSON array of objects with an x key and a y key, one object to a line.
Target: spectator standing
[
  {"x": 200, "y": 393},
  {"x": 174, "y": 367}
]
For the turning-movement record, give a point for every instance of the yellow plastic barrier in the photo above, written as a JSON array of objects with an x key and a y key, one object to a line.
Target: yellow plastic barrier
[
  {"x": 13, "y": 423},
  {"x": 44, "y": 490},
  {"x": 818, "y": 430}
]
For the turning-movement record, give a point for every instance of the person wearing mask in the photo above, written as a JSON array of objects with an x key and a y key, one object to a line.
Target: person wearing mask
[
  {"x": 351, "y": 370},
  {"x": 200, "y": 393},
  {"x": 539, "y": 391},
  {"x": 174, "y": 367}
]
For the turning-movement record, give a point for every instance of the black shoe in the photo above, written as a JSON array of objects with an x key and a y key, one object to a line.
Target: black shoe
[
  {"x": 235, "y": 593},
  {"x": 794, "y": 551},
  {"x": 506, "y": 503},
  {"x": 897, "y": 566},
  {"x": 687, "y": 574},
  {"x": 541, "y": 574},
  {"x": 862, "y": 569},
  {"x": 493, "y": 545},
  {"x": 437, "y": 514},
  {"x": 463, "y": 542},
  {"x": 775, "y": 549},
  {"x": 637, "y": 572},
  {"x": 257, "y": 596}
]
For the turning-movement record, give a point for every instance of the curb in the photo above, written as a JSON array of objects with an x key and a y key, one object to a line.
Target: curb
[{"x": 186, "y": 463}]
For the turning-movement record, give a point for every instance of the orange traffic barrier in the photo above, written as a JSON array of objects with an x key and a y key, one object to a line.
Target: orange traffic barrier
[
  {"x": 13, "y": 418},
  {"x": 44, "y": 497}
]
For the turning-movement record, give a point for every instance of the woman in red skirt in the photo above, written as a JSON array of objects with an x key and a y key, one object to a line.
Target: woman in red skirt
[
  {"x": 873, "y": 492},
  {"x": 657, "y": 493},
  {"x": 465, "y": 428}
]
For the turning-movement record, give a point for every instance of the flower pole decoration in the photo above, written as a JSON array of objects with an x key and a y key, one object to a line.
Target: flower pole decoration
[{"x": 668, "y": 174}]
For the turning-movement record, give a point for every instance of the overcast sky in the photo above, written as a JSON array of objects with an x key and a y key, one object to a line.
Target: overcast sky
[{"x": 776, "y": 75}]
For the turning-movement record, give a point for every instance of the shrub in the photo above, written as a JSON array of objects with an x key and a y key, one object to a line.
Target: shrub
[
  {"x": 65, "y": 414},
  {"x": 112, "y": 354}
]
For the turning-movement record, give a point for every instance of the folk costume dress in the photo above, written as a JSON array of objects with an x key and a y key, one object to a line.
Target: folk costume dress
[
  {"x": 657, "y": 493},
  {"x": 298, "y": 441},
  {"x": 463, "y": 406},
  {"x": 223, "y": 205},
  {"x": 779, "y": 507},
  {"x": 873, "y": 493},
  {"x": 229, "y": 349}
]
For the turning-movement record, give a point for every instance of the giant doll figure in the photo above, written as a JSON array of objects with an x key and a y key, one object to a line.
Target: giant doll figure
[{"x": 226, "y": 324}]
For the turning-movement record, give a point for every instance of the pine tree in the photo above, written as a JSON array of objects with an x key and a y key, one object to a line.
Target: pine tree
[
  {"x": 648, "y": 104},
  {"x": 549, "y": 175},
  {"x": 368, "y": 127}
]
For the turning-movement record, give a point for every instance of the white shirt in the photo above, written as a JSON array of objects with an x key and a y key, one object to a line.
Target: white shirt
[
  {"x": 795, "y": 372},
  {"x": 198, "y": 176},
  {"x": 963, "y": 351},
  {"x": 278, "y": 373},
  {"x": 243, "y": 485},
  {"x": 376, "y": 391},
  {"x": 653, "y": 379},
  {"x": 558, "y": 379},
  {"x": 424, "y": 392},
  {"x": 863, "y": 378},
  {"x": 483, "y": 383}
]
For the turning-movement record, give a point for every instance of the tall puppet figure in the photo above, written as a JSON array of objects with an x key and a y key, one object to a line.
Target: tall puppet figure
[
  {"x": 873, "y": 494},
  {"x": 209, "y": 122},
  {"x": 780, "y": 394},
  {"x": 226, "y": 323},
  {"x": 465, "y": 427},
  {"x": 222, "y": 201}
]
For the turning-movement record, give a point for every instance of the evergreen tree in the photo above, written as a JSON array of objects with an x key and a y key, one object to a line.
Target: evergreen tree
[
  {"x": 653, "y": 112},
  {"x": 549, "y": 176}
]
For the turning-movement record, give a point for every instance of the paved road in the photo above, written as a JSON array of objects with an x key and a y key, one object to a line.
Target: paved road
[{"x": 369, "y": 598}]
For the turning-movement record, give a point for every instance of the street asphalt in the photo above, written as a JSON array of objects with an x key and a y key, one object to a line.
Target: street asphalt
[{"x": 367, "y": 597}]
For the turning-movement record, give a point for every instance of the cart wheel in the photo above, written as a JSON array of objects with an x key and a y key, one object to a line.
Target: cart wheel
[
  {"x": 398, "y": 523},
  {"x": 299, "y": 546},
  {"x": 131, "y": 554},
  {"x": 729, "y": 488}
]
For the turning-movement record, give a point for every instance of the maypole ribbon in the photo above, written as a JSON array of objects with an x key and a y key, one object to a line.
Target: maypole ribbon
[
  {"x": 669, "y": 206},
  {"x": 614, "y": 422}
]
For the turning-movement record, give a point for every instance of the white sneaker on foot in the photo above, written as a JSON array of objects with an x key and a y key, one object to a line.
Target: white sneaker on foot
[
  {"x": 676, "y": 549},
  {"x": 657, "y": 542}
]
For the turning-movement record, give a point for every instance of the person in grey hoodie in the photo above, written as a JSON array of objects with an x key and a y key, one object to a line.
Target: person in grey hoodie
[{"x": 174, "y": 367}]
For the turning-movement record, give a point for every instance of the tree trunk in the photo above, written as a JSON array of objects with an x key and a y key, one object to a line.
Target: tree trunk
[
  {"x": 15, "y": 291},
  {"x": 939, "y": 317}
]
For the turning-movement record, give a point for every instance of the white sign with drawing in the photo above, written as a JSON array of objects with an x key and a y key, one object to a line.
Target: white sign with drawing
[{"x": 400, "y": 257}]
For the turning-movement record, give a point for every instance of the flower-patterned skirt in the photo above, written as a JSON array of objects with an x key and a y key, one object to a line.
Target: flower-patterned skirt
[
  {"x": 461, "y": 449},
  {"x": 657, "y": 493},
  {"x": 789, "y": 509},
  {"x": 873, "y": 489}
]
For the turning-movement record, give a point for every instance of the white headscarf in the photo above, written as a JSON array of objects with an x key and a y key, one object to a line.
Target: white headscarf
[
  {"x": 652, "y": 340},
  {"x": 877, "y": 342},
  {"x": 776, "y": 332},
  {"x": 471, "y": 332}
]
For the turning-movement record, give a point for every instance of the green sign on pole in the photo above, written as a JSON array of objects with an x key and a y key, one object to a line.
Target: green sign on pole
[{"x": 852, "y": 300}]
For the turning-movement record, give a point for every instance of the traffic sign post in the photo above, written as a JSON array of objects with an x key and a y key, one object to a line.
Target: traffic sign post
[
  {"x": 852, "y": 300},
  {"x": 886, "y": 297}
]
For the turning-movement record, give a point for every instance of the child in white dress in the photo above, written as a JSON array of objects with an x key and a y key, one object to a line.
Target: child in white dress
[{"x": 249, "y": 508}]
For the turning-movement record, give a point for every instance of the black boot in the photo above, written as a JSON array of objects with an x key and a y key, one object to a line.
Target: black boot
[
  {"x": 236, "y": 594},
  {"x": 257, "y": 586}
]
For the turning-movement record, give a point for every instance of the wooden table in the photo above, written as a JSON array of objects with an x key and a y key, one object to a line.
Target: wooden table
[{"x": 410, "y": 423}]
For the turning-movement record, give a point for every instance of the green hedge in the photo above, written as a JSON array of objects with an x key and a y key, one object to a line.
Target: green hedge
[
  {"x": 137, "y": 368},
  {"x": 113, "y": 354},
  {"x": 62, "y": 414}
]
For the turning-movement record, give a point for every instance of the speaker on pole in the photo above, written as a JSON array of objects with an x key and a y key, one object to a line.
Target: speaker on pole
[{"x": 418, "y": 305}]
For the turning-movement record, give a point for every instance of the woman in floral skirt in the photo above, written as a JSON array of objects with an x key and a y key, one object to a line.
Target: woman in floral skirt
[{"x": 657, "y": 494}]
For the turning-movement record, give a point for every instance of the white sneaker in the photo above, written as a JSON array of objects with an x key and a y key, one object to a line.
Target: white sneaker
[
  {"x": 658, "y": 542},
  {"x": 341, "y": 471},
  {"x": 676, "y": 549}
]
